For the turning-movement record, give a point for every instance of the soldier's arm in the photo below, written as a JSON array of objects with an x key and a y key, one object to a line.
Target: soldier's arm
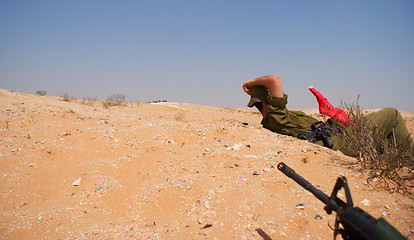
[{"x": 271, "y": 82}]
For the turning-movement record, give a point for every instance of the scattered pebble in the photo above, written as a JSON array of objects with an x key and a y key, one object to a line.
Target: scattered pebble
[
  {"x": 236, "y": 147},
  {"x": 77, "y": 182},
  {"x": 281, "y": 234},
  {"x": 207, "y": 225},
  {"x": 365, "y": 202},
  {"x": 300, "y": 206}
]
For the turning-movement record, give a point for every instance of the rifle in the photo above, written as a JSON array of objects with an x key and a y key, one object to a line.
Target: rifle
[
  {"x": 356, "y": 223},
  {"x": 320, "y": 131}
]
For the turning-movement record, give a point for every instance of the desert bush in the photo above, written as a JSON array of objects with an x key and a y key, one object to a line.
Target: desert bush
[
  {"x": 114, "y": 100},
  {"x": 66, "y": 97},
  {"x": 89, "y": 101},
  {"x": 41, "y": 93},
  {"x": 377, "y": 151},
  {"x": 106, "y": 104}
]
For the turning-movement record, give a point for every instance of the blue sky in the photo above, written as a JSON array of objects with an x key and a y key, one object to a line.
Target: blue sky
[{"x": 202, "y": 51}]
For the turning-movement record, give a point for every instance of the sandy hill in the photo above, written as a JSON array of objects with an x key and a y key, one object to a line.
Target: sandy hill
[{"x": 73, "y": 170}]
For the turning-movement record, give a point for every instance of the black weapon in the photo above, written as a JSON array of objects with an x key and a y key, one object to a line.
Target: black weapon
[
  {"x": 356, "y": 223},
  {"x": 321, "y": 131}
]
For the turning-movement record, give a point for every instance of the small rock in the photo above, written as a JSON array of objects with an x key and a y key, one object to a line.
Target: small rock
[
  {"x": 228, "y": 147},
  {"x": 365, "y": 202},
  {"x": 77, "y": 182},
  {"x": 236, "y": 147},
  {"x": 207, "y": 225},
  {"x": 300, "y": 206},
  {"x": 281, "y": 234}
]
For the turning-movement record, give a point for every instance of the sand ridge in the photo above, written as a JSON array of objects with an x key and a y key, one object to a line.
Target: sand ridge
[{"x": 166, "y": 171}]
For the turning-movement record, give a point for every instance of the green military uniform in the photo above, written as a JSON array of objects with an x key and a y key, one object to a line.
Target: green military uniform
[
  {"x": 388, "y": 120},
  {"x": 296, "y": 123},
  {"x": 281, "y": 120}
]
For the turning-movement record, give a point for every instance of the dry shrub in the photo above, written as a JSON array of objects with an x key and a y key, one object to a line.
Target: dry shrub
[
  {"x": 41, "y": 92},
  {"x": 378, "y": 153},
  {"x": 66, "y": 97},
  {"x": 114, "y": 100},
  {"x": 89, "y": 101}
]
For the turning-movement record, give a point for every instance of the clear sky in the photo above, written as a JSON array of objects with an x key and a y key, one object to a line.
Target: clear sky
[{"x": 202, "y": 51}]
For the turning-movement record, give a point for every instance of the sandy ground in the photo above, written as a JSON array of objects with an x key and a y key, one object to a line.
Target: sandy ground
[{"x": 73, "y": 170}]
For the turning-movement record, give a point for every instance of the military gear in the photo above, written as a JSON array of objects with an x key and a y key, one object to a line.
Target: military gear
[{"x": 321, "y": 131}]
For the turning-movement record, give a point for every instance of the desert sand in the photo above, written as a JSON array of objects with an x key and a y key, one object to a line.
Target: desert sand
[{"x": 73, "y": 170}]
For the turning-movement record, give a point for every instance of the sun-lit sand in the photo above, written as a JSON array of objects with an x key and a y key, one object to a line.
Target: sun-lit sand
[{"x": 166, "y": 171}]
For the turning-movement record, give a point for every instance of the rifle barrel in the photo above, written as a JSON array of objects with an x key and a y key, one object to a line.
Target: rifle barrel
[{"x": 307, "y": 185}]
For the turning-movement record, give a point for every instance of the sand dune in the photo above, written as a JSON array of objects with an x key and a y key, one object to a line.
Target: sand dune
[{"x": 166, "y": 171}]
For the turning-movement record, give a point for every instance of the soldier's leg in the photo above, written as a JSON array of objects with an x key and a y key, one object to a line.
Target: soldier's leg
[{"x": 391, "y": 121}]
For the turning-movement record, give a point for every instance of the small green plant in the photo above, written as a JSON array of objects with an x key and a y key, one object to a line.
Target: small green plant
[
  {"x": 377, "y": 151},
  {"x": 41, "y": 93}
]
